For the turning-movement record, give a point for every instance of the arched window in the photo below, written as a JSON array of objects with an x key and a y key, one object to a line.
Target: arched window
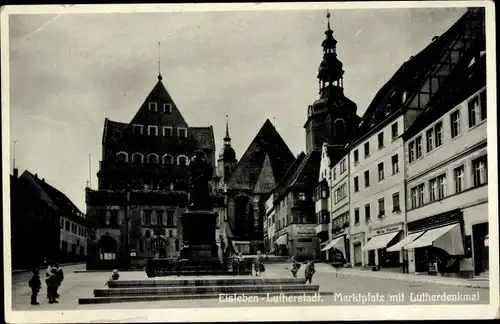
[
  {"x": 339, "y": 129},
  {"x": 168, "y": 159},
  {"x": 182, "y": 160},
  {"x": 122, "y": 157},
  {"x": 153, "y": 158},
  {"x": 137, "y": 158},
  {"x": 108, "y": 247}
]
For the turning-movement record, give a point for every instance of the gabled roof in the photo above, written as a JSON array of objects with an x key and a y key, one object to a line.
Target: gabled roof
[
  {"x": 112, "y": 131},
  {"x": 408, "y": 78},
  {"x": 462, "y": 83},
  {"x": 267, "y": 142},
  {"x": 54, "y": 197}
]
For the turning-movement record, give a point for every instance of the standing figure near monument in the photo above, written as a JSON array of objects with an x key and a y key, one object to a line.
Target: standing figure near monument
[{"x": 200, "y": 174}]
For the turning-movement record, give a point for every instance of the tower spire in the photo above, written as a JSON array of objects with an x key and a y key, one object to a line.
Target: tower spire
[
  {"x": 227, "y": 138},
  {"x": 328, "y": 17},
  {"x": 159, "y": 56}
]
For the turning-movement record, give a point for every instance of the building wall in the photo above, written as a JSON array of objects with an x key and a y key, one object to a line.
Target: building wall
[
  {"x": 390, "y": 185},
  {"x": 453, "y": 153},
  {"x": 75, "y": 234}
]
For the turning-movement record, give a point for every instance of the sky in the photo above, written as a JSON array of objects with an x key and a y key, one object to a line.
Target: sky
[{"x": 70, "y": 72}]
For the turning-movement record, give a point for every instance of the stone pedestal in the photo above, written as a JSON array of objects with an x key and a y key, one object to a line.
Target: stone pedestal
[{"x": 198, "y": 234}]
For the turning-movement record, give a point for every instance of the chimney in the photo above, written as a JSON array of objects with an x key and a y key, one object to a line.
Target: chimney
[
  {"x": 434, "y": 38},
  {"x": 43, "y": 179},
  {"x": 36, "y": 175},
  {"x": 15, "y": 174}
]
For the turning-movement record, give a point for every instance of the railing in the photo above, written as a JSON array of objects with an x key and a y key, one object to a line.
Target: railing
[{"x": 197, "y": 266}]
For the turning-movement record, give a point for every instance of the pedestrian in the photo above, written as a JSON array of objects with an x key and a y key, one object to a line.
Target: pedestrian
[
  {"x": 235, "y": 262},
  {"x": 35, "y": 284},
  {"x": 60, "y": 278},
  {"x": 309, "y": 271},
  {"x": 295, "y": 267},
  {"x": 259, "y": 264},
  {"x": 150, "y": 268},
  {"x": 52, "y": 284},
  {"x": 241, "y": 264},
  {"x": 48, "y": 273},
  {"x": 114, "y": 276},
  {"x": 405, "y": 262}
]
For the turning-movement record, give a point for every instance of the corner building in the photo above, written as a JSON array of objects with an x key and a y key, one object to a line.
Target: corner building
[
  {"x": 378, "y": 203},
  {"x": 447, "y": 177}
]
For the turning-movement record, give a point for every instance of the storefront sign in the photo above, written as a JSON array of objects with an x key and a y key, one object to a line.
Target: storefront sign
[
  {"x": 357, "y": 237},
  {"x": 304, "y": 240},
  {"x": 436, "y": 220},
  {"x": 388, "y": 229}
]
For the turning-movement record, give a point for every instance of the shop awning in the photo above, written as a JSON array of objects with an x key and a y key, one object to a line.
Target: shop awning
[
  {"x": 336, "y": 243},
  {"x": 281, "y": 240},
  {"x": 487, "y": 240},
  {"x": 407, "y": 240},
  {"x": 447, "y": 238},
  {"x": 379, "y": 241}
]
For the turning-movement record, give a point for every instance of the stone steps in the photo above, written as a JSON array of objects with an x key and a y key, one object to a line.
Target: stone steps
[
  {"x": 178, "y": 289},
  {"x": 130, "y": 299},
  {"x": 197, "y": 290},
  {"x": 204, "y": 282}
]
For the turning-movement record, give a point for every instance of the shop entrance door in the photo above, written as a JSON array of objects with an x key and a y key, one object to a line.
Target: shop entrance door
[
  {"x": 481, "y": 255},
  {"x": 357, "y": 254}
]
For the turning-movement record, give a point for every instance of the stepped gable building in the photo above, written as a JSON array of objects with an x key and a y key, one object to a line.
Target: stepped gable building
[
  {"x": 377, "y": 157},
  {"x": 143, "y": 182},
  {"x": 251, "y": 181},
  {"x": 45, "y": 224},
  {"x": 447, "y": 189},
  {"x": 330, "y": 119}
]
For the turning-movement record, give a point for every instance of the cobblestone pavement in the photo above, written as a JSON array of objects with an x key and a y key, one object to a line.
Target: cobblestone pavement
[{"x": 343, "y": 291}]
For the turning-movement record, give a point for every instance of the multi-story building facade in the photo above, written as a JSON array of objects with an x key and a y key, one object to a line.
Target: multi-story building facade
[
  {"x": 143, "y": 183},
  {"x": 337, "y": 247},
  {"x": 45, "y": 224},
  {"x": 322, "y": 198},
  {"x": 269, "y": 226},
  {"x": 447, "y": 192},
  {"x": 378, "y": 203}
]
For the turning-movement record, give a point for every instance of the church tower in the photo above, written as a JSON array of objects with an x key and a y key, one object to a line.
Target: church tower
[
  {"x": 227, "y": 158},
  {"x": 332, "y": 117}
]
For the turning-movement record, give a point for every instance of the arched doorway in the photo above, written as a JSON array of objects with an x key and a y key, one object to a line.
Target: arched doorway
[
  {"x": 107, "y": 247},
  {"x": 159, "y": 247}
]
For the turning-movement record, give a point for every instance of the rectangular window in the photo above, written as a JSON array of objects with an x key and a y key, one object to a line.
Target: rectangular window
[
  {"x": 356, "y": 184},
  {"x": 429, "y": 136},
  {"x": 367, "y": 178},
  {"x": 356, "y": 216},
  {"x": 137, "y": 129},
  {"x": 381, "y": 207},
  {"x": 367, "y": 212},
  {"x": 381, "y": 171},
  {"x": 302, "y": 196},
  {"x": 67, "y": 225},
  {"x": 395, "y": 203},
  {"x": 421, "y": 193},
  {"x": 394, "y": 131},
  {"x": 418, "y": 147},
  {"x": 356, "y": 157},
  {"x": 441, "y": 186},
  {"x": 438, "y": 134},
  {"x": 167, "y": 108},
  {"x": 459, "y": 179},
  {"x": 413, "y": 197},
  {"x": 181, "y": 132},
  {"x": 167, "y": 131},
  {"x": 482, "y": 102},
  {"x": 480, "y": 170},
  {"x": 61, "y": 223},
  {"x": 153, "y": 106},
  {"x": 455, "y": 123},
  {"x": 153, "y": 130},
  {"x": 395, "y": 164},
  {"x": 433, "y": 190},
  {"x": 334, "y": 173},
  {"x": 367, "y": 149},
  {"x": 380, "y": 140},
  {"x": 411, "y": 152},
  {"x": 473, "y": 106}
]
